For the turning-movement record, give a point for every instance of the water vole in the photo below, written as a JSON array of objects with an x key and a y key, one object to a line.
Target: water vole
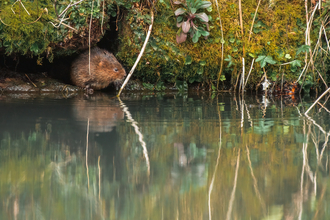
[{"x": 104, "y": 69}]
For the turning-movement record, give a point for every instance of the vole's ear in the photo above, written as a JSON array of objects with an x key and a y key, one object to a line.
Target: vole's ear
[{"x": 101, "y": 63}]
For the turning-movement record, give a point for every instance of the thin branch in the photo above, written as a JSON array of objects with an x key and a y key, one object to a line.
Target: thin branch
[
  {"x": 89, "y": 40},
  {"x": 102, "y": 18},
  {"x": 254, "y": 18},
  {"x": 69, "y": 6},
  {"x": 247, "y": 78},
  {"x": 30, "y": 81},
  {"x": 61, "y": 23},
  {"x": 22, "y": 5},
  {"x": 3, "y": 22},
  {"x": 222, "y": 42},
  {"x": 242, "y": 76},
  {"x": 140, "y": 55}
]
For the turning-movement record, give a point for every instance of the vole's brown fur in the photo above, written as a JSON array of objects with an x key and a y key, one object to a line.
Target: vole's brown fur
[{"x": 104, "y": 69}]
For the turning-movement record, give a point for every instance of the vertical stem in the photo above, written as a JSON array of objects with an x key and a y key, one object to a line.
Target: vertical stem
[
  {"x": 254, "y": 18},
  {"x": 241, "y": 23},
  {"x": 87, "y": 153},
  {"x": 140, "y": 55},
  {"x": 89, "y": 40},
  {"x": 222, "y": 42}
]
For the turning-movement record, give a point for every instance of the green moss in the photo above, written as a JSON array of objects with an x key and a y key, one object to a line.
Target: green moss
[
  {"x": 276, "y": 32},
  {"x": 36, "y": 30}
]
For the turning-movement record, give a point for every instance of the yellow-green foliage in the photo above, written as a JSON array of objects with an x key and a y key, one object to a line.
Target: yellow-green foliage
[
  {"x": 21, "y": 32},
  {"x": 278, "y": 31},
  {"x": 33, "y": 27}
]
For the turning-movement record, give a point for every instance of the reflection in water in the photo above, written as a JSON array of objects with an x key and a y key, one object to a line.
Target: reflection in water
[
  {"x": 173, "y": 157},
  {"x": 102, "y": 111}
]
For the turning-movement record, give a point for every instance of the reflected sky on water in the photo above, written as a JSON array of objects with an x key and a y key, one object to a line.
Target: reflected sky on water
[{"x": 163, "y": 156}]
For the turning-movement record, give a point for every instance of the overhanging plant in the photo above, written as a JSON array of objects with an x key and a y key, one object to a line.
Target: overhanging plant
[{"x": 188, "y": 18}]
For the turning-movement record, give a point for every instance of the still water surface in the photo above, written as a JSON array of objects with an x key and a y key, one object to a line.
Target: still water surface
[{"x": 163, "y": 157}]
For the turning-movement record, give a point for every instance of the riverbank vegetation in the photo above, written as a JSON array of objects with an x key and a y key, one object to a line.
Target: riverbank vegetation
[{"x": 215, "y": 44}]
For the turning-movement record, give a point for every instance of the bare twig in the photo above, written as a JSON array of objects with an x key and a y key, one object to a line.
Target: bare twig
[
  {"x": 322, "y": 78},
  {"x": 242, "y": 76},
  {"x": 22, "y": 5},
  {"x": 222, "y": 42},
  {"x": 69, "y": 6},
  {"x": 30, "y": 81},
  {"x": 254, "y": 18},
  {"x": 61, "y": 23},
  {"x": 102, "y": 17},
  {"x": 140, "y": 55},
  {"x": 247, "y": 78},
  {"x": 3, "y": 22},
  {"x": 89, "y": 40},
  {"x": 307, "y": 35}
]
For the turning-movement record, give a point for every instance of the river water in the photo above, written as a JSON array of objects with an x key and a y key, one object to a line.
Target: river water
[{"x": 164, "y": 156}]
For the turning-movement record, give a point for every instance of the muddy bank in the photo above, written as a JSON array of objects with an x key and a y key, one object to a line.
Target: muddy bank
[{"x": 13, "y": 82}]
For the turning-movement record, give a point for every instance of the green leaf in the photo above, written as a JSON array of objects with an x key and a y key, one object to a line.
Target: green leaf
[
  {"x": 296, "y": 63},
  {"x": 179, "y": 19},
  {"x": 193, "y": 10},
  {"x": 204, "y": 4},
  {"x": 205, "y": 33},
  {"x": 260, "y": 58},
  {"x": 200, "y": 70},
  {"x": 195, "y": 37},
  {"x": 188, "y": 60},
  {"x": 202, "y": 63},
  {"x": 303, "y": 49},
  {"x": 288, "y": 56},
  {"x": 270, "y": 60},
  {"x": 264, "y": 60},
  {"x": 222, "y": 78},
  {"x": 230, "y": 60}
]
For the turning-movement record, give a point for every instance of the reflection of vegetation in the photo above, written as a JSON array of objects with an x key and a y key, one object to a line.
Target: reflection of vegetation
[{"x": 41, "y": 176}]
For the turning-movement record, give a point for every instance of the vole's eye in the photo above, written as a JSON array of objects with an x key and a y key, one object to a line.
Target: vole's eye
[{"x": 116, "y": 70}]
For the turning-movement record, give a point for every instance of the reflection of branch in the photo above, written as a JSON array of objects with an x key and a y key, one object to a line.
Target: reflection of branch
[
  {"x": 304, "y": 151},
  {"x": 87, "y": 151},
  {"x": 137, "y": 131},
  {"x": 232, "y": 197},
  {"x": 242, "y": 110},
  {"x": 319, "y": 202},
  {"x": 216, "y": 166},
  {"x": 98, "y": 164},
  {"x": 255, "y": 183},
  {"x": 248, "y": 114},
  {"x": 317, "y": 100}
]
